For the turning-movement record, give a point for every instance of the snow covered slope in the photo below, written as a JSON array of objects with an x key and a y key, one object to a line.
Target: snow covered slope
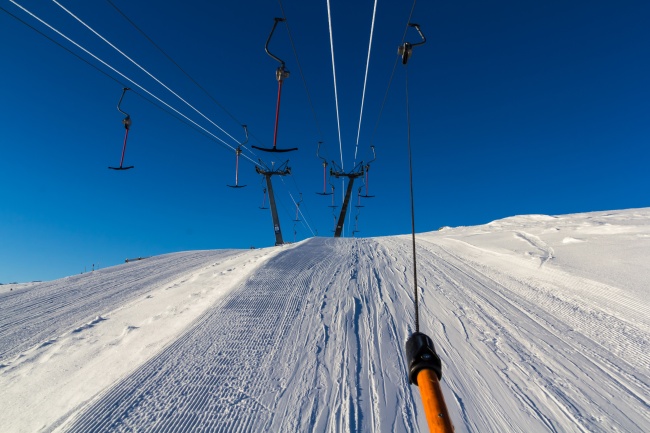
[{"x": 542, "y": 324}]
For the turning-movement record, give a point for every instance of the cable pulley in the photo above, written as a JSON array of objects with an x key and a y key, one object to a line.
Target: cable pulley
[
  {"x": 127, "y": 125},
  {"x": 407, "y": 49}
]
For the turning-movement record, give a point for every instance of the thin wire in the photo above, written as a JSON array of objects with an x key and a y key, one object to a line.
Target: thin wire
[
  {"x": 392, "y": 74},
  {"x": 295, "y": 53},
  {"x": 183, "y": 71},
  {"x": 409, "y": 21},
  {"x": 298, "y": 207},
  {"x": 174, "y": 62},
  {"x": 408, "y": 123},
  {"x": 143, "y": 69},
  {"x": 124, "y": 76},
  {"x": 295, "y": 182},
  {"x": 415, "y": 267},
  {"x": 64, "y": 47},
  {"x": 160, "y": 107},
  {"x": 365, "y": 80},
  {"x": 381, "y": 110},
  {"x": 336, "y": 95}
]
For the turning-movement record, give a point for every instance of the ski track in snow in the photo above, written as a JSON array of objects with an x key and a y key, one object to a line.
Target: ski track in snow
[
  {"x": 313, "y": 339},
  {"x": 284, "y": 352}
]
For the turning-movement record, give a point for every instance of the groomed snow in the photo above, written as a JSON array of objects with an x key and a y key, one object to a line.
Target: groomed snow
[{"x": 542, "y": 323}]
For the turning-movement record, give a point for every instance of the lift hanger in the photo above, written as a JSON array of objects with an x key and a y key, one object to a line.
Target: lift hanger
[
  {"x": 237, "y": 153},
  {"x": 280, "y": 74},
  {"x": 127, "y": 125}
]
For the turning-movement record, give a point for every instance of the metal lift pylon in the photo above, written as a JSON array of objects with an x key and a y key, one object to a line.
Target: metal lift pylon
[
  {"x": 356, "y": 172},
  {"x": 283, "y": 170}
]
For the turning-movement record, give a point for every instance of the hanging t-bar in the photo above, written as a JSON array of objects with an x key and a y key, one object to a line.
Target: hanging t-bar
[
  {"x": 280, "y": 75},
  {"x": 297, "y": 219},
  {"x": 127, "y": 125},
  {"x": 407, "y": 49},
  {"x": 367, "y": 170},
  {"x": 359, "y": 205},
  {"x": 264, "y": 206},
  {"x": 238, "y": 152},
  {"x": 324, "y": 171}
]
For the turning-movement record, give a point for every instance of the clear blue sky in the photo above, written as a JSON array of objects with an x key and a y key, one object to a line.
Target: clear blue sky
[{"x": 516, "y": 108}]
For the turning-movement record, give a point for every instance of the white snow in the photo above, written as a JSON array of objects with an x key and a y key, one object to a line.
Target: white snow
[{"x": 542, "y": 323}]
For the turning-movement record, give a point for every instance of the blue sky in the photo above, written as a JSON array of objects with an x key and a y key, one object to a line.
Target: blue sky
[{"x": 516, "y": 108}]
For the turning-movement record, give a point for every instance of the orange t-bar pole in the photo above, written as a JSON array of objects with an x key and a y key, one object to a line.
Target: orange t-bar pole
[
  {"x": 425, "y": 371},
  {"x": 433, "y": 401}
]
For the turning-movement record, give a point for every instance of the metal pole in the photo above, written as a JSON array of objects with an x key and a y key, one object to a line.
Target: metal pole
[
  {"x": 274, "y": 211},
  {"x": 344, "y": 208}
]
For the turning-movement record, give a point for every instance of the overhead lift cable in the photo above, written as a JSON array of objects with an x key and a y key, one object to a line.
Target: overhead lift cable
[
  {"x": 336, "y": 94},
  {"x": 216, "y": 138},
  {"x": 143, "y": 69},
  {"x": 365, "y": 80},
  {"x": 425, "y": 367}
]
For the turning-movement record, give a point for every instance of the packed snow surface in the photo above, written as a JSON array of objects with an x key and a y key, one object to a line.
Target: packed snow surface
[{"x": 542, "y": 324}]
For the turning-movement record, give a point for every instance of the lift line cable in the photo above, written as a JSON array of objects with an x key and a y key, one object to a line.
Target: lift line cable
[
  {"x": 336, "y": 94},
  {"x": 182, "y": 70},
  {"x": 365, "y": 80},
  {"x": 142, "y": 68},
  {"x": 408, "y": 128},
  {"x": 424, "y": 364},
  {"x": 302, "y": 75},
  {"x": 119, "y": 73},
  {"x": 415, "y": 267}
]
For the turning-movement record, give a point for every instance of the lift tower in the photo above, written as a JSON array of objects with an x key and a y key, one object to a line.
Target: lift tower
[
  {"x": 283, "y": 170},
  {"x": 359, "y": 171},
  {"x": 356, "y": 172}
]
